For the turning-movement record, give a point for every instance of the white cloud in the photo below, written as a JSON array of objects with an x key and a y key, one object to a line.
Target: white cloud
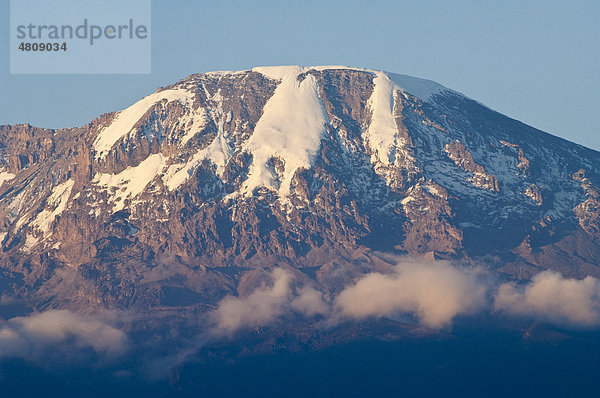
[
  {"x": 310, "y": 302},
  {"x": 266, "y": 303},
  {"x": 262, "y": 306},
  {"x": 29, "y": 337},
  {"x": 551, "y": 297},
  {"x": 434, "y": 292}
]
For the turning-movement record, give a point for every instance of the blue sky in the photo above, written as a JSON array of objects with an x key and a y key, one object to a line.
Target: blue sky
[{"x": 536, "y": 61}]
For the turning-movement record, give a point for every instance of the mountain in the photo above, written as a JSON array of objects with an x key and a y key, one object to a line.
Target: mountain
[{"x": 189, "y": 193}]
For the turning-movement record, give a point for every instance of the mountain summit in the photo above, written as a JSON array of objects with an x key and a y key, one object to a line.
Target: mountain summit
[{"x": 170, "y": 201}]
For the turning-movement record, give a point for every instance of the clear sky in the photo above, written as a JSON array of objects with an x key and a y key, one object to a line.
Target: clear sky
[{"x": 536, "y": 61}]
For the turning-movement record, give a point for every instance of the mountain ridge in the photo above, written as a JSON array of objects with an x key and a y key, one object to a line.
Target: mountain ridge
[{"x": 305, "y": 166}]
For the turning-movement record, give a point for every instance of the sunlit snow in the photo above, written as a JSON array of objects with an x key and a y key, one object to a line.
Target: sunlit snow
[
  {"x": 126, "y": 119},
  {"x": 290, "y": 129}
]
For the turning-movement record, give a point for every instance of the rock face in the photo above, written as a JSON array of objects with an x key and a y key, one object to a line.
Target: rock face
[{"x": 221, "y": 172}]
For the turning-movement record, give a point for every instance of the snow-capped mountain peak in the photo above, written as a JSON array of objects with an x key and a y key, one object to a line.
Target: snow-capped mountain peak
[{"x": 296, "y": 162}]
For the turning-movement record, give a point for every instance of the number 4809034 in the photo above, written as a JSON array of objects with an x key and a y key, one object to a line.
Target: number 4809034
[{"x": 42, "y": 46}]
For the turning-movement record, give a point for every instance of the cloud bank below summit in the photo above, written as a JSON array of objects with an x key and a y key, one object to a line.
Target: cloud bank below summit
[
  {"x": 267, "y": 303},
  {"x": 59, "y": 332},
  {"x": 434, "y": 293},
  {"x": 552, "y": 298}
]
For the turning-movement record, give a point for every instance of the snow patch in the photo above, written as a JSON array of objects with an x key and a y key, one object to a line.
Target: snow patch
[
  {"x": 30, "y": 242},
  {"x": 225, "y": 72},
  {"x": 433, "y": 190},
  {"x": 290, "y": 129},
  {"x": 58, "y": 201},
  {"x": 193, "y": 123},
  {"x": 6, "y": 176},
  {"x": 15, "y": 208},
  {"x": 125, "y": 120},
  {"x": 420, "y": 88},
  {"x": 337, "y": 67},
  {"x": 130, "y": 182},
  {"x": 407, "y": 199},
  {"x": 382, "y": 133},
  {"x": 219, "y": 151},
  {"x": 382, "y": 136},
  {"x": 285, "y": 72}
]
